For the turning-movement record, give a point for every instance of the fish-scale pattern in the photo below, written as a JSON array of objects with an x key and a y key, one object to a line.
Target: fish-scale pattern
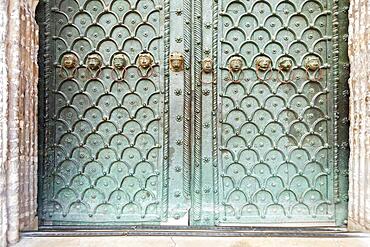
[
  {"x": 106, "y": 153},
  {"x": 275, "y": 125}
]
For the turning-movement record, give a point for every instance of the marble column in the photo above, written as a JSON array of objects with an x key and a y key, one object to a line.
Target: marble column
[
  {"x": 359, "y": 53},
  {"x": 18, "y": 118}
]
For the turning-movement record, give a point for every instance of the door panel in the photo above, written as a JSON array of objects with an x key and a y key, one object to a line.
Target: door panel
[
  {"x": 267, "y": 147},
  {"x": 274, "y": 129},
  {"x": 107, "y": 113}
]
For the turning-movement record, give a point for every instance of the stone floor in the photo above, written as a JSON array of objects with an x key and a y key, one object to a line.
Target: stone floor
[{"x": 191, "y": 242}]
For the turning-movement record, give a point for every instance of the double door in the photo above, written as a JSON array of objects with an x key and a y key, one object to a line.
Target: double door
[{"x": 190, "y": 113}]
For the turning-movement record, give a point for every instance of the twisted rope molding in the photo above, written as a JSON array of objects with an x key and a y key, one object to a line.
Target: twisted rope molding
[
  {"x": 214, "y": 112},
  {"x": 166, "y": 110},
  {"x": 187, "y": 98},
  {"x": 197, "y": 35}
]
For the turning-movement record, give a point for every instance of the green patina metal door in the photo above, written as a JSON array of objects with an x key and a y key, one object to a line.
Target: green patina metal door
[
  {"x": 270, "y": 120},
  {"x": 228, "y": 112},
  {"x": 115, "y": 129}
]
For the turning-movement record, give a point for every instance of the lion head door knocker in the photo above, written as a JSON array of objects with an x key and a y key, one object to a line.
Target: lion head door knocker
[
  {"x": 263, "y": 66},
  {"x": 69, "y": 65},
  {"x": 207, "y": 69},
  {"x": 285, "y": 72},
  {"x": 94, "y": 63},
  {"x": 235, "y": 68},
  {"x": 313, "y": 69},
  {"x": 145, "y": 62},
  {"x": 119, "y": 63},
  {"x": 176, "y": 62}
]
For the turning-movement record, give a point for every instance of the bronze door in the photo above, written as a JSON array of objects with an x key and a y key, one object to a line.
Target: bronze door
[{"x": 229, "y": 112}]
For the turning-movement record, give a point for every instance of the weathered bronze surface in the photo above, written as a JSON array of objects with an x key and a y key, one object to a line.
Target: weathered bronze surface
[
  {"x": 107, "y": 135},
  {"x": 130, "y": 141},
  {"x": 265, "y": 136}
]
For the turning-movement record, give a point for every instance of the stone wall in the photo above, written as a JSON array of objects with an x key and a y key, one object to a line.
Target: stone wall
[
  {"x": 18, "y": 119},
  {"x": 359, "y": 52}
]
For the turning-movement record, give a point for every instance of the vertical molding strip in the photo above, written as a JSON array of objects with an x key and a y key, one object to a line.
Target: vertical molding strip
[
  {"x": 215, "y": 161},
  {"x": 166, "y": 110},
  {"x": 341, "y": 116},
  {"x": 197, "y": 54},
  {"x": 335, "y": 95},
  {"x": 187, "y": 98}
]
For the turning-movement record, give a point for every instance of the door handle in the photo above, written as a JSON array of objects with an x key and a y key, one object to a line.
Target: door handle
[
  {"x": 146, "y": 65},
  {"x": 207, "y": 68},
  {"x": 177, "y": 62},
  {"x": 207, "y": 65}
]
